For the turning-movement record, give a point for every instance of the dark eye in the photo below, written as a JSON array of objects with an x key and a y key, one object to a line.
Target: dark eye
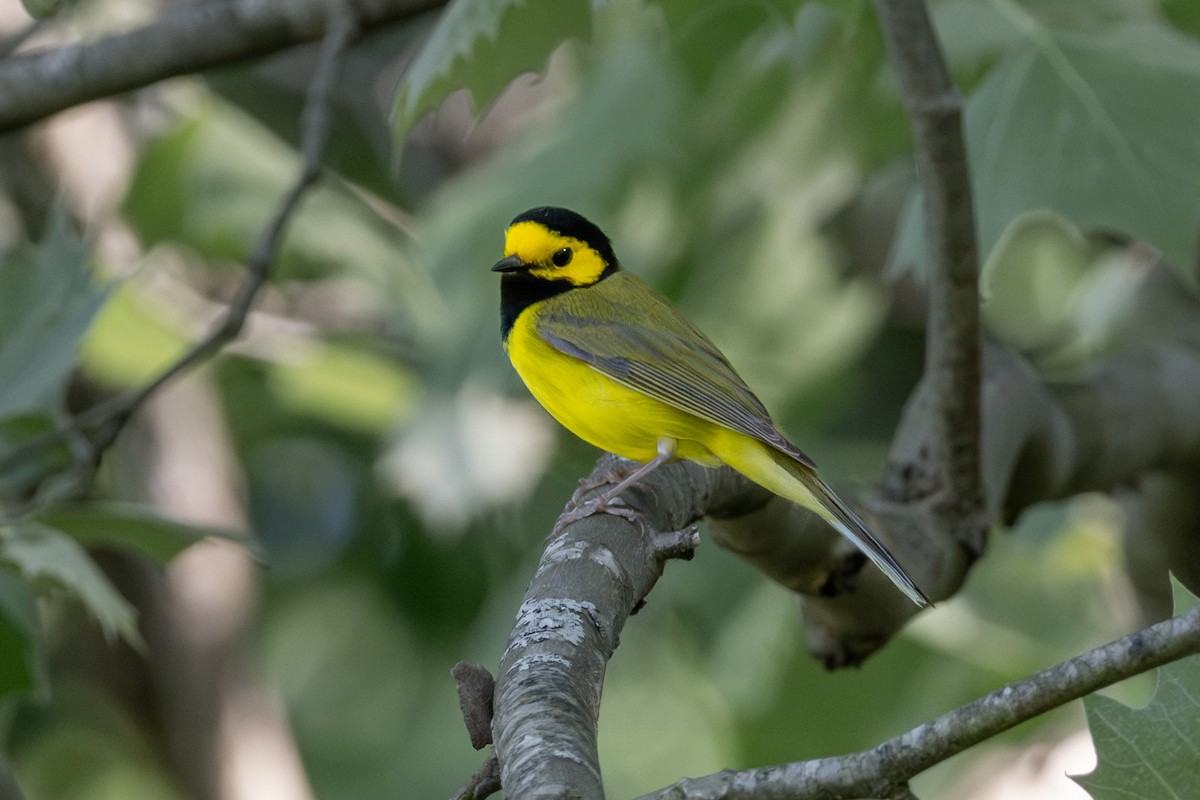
[{"x": 562, "y": 257}]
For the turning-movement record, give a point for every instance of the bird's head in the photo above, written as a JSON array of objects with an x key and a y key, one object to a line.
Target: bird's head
[{"x": 554, "y": 244}]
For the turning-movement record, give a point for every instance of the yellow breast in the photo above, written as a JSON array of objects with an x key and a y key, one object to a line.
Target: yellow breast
[{"x": 599, "y": 409}]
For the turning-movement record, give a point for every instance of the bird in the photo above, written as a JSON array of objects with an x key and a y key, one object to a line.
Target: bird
[{"x": 614, "y": 362}]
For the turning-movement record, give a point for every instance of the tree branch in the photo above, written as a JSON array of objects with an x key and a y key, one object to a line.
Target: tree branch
[
  {"x": 884, "y": 770},
  {"x": 591, "y": 578},
  {"x": 182, "y": 41},
  {"x": 952, "y": 353},
  {"x": 929, "y": 506},
  {"x": 1040, "y": 443},
  {"x": 93, "y": 431},
  {"x": 1133, "y": 414}
]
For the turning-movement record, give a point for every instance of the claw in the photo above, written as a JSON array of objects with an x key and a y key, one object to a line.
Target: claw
[
  {"x": 609, "y": 477},
  {"x": 601, "y": 505},
  {"x": 575, "y": 512}
]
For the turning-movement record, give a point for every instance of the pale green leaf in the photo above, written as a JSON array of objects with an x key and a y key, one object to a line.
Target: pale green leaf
[
  {"x": 481, "y": 46},
  {"x": 1065, "y": 299},
  {"x": 1028, "y": 280},
  {"x": 132, "y": 340},
  {"x": 50, "y": 559},
  {"x": 1182, "y": 599},
  {"x": 348, "y": 386},
  {"x": 1097, "y": 126},
  {"x": 47, "y": 303},
  {"x": 1151, "y": 752}
]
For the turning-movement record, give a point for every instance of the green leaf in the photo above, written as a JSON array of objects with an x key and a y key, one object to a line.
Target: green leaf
[
  {"x": 212, "y": 185},
  {"x": 50, "y": 559},
  {"x": 20, "y": 667},
  {"x": 1184, "y": 14},
  {"x": 359, "y": 141},
  {"x": 704, "y": 38},
  {"x": 1097, "y": 126},
  {"x": 481, "y": 46},
  {"x": 25, "y": 473},
  {"x": 47, "y": 304},
  {"x": 1183, "y": 600},
  {"x": 133, "y": 527},
  {"x": 348, "y": 386},
  {"x": 1152, "y": 751}
]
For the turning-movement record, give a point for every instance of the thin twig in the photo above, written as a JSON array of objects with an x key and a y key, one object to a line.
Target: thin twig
[
  {"x": 929, "y": 505},
  {"x": 98, "y": 426},
  {"x": 952, "y": 366},
  {"x": 179, "y": 42},
  {"x": 882, "y": 770}
]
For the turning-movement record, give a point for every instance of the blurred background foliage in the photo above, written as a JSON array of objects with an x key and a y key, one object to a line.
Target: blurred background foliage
[{"x": 384, "y": 484}]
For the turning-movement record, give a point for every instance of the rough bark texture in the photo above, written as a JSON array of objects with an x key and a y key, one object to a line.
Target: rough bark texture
[{"x": 590, "y": 579}]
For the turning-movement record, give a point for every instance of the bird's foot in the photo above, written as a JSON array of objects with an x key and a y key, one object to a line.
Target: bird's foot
[
  {"x": 613, "y": 476},
  {"x": 624, "y": 478},
  {"x": 605, "y": 504}
]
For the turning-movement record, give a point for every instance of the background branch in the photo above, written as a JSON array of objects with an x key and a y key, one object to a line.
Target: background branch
[
  {"x": 929, "y": 507},
  {"x": 951, "y": 421},
  {"x": 182, "y": 41},
  {"x": 886, "y": 769},
  {"x": 1162, "y": 526},
  {"x": 1133, "y": 415}
]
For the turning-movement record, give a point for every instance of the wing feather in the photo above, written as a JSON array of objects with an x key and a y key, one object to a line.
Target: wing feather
[{"x": 643, "y": 342}]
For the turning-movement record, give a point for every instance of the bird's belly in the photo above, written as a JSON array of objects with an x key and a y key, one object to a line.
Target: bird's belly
[{"x": 602, "y": 411}]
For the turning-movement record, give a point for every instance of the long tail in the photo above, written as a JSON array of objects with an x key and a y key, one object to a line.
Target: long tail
[
  {"x": 849, "y": 524},
  {"x": 800, "y": 484}
]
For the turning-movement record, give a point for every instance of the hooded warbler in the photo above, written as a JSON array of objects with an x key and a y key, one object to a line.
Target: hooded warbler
[{"x": 615, "y": 363}]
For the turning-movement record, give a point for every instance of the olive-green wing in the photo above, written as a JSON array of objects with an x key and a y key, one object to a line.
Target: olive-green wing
[{"x": 628, "y": 331}]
